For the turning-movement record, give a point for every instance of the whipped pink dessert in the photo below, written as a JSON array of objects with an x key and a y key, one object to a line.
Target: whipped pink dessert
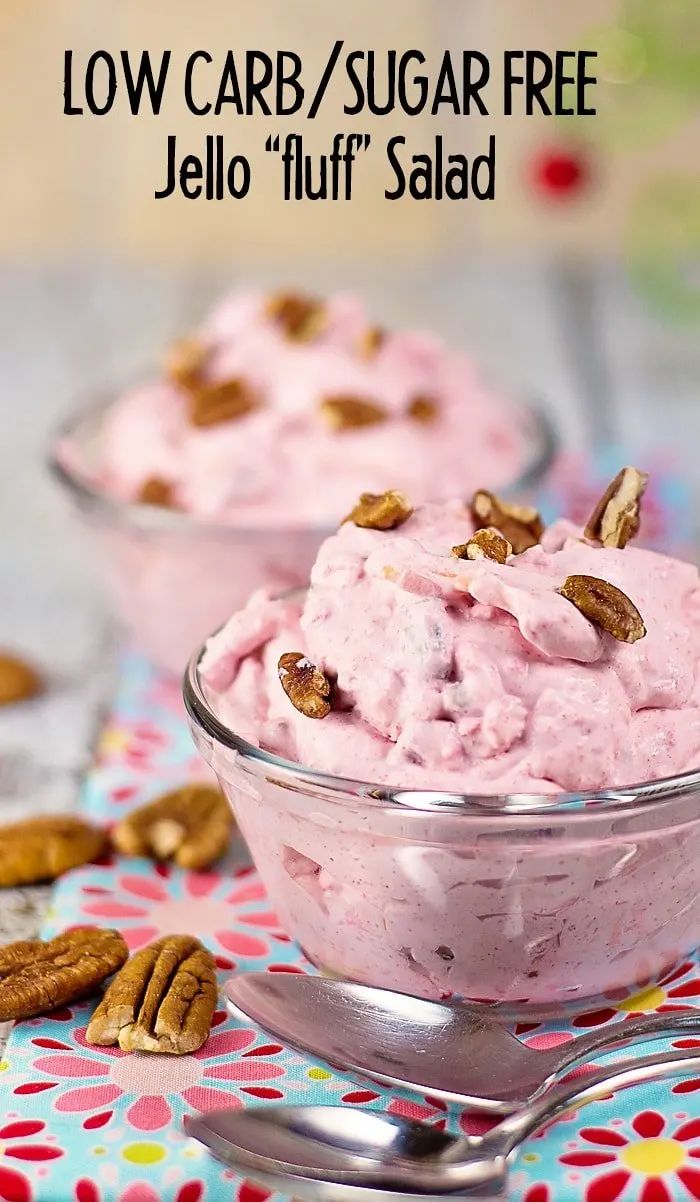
[
  {"x": 429, "y": 657},
  {"x": 280, "y": 410},
  {"x": 475, "y": 676}
]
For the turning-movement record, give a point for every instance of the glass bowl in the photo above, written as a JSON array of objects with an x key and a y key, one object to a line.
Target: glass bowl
[
  {"x": 174, "y": 577},
  {"x": 537, "y": 906}
]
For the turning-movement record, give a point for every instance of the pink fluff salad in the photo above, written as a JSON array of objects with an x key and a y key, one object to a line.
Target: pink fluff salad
[
  {"x": 471, "y": 676},
  {"x": 281, "y": 465}
]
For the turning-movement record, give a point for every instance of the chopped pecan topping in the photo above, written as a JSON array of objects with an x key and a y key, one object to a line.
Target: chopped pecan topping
[
  {"x": 615, "y": 519},
  {"x": 351, "y": 412},
  {"x": 484, "y": 544},
  {"x": 520, "y": 524},
  {"x": 44, "y": 848},
  {"x": 302, "y": 318},
  {"x": 191, "y": 826},
  {"x": 156, "y": 491},
  {"x": 423, "y": 408},
  {"x": 163, "y": 1000},
  {"x": 37, "y": 977},
  {"x": 18, "y": 680},
  {"x": 221, "y": 401},
  {"x": 371, "y": 340},
  {"x": 606, "y": 606},
  {"x": 380, "y": 511},
  {"x": 305, "y": 685},
  {"x": 185, "y": 362}
]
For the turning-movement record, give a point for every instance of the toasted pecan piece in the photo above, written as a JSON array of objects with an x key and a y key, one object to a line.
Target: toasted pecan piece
[
  {"x": 185, "y": 362},
  {"x": 370, "y": 341},
  {"x": 423, "y": 408},
  {"x": 351, "y": 412},
  {"x": 380, "y": 511},
  {"x": 163, "y": 1000},
  {"x": 191, "y": 825},
  {"x": 301, "y": 318},
  {"x": 306, "y": 686},
  {"x": 18, "y": 679},
  {"x": 221, "y": 401},
  {"x": 606, "y": 606},
  {"x": 156, "y": 491},
  {"x": 615, "y": 519},
  {"x": 484, "y": 544},
  {"x": 45, "y": 847},
  {"x": 37, "y": 976},
  {"x": 520, "y": 524}
]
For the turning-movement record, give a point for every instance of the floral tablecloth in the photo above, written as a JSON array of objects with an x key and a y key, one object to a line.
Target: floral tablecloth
[{"x": 83, "y": 1124}]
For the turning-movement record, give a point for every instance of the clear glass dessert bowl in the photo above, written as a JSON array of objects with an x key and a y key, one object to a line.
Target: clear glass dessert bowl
[
  {"x": 535, "y": 905},
  {"x": 173, "y": 577}
]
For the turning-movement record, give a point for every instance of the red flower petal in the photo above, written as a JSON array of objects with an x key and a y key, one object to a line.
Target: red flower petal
[
  {"x": 687, "y": 989},
  {"x": 33, "y": 1152},
  {"x": 220, "y": 1017},
  {"x": 35, "y": 1087},
  {"x": 689, "y": 1130},
  {"x": 190, "y": 1192},
  {"x": 22, "y": 1129},
  {"x": 438, "y": 1103},
  {"x": 649, "y": 1124},
  {"x": 252, "y": 1193},
  {"x": 262, "y": 1091},
  {"x": 595, "y": 1019},
  {"x": 655, "y": 1191},
  {"x": 97, "y": 1120},
  {"x": 601, "y": 1135},
  {"x": 284, "y": 968},
  {"x": 607, "y": 1188},
  {"x": 682, "y": 1087},
  {"x": 587, "y": 1159},
  {"x": 266, "y": 1049},
  {"x": 360, "y": 1095},
  {"x": 691, "y": 1180},
  {"x": 224, "y": 963},
  {"x": 241, "y": 944},
  {"x": 43, "y": 1042},
  {"x": 86, "y": 1191},
  {"x": 13, "y": 1186},
  {"x": 64, "y": 1015},
  {"x": 265, "y": 918},
  {"x": 537, "y": 1193}
]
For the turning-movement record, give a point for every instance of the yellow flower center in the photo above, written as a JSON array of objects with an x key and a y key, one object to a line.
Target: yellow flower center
[
  {"x": 652, "y": 1156},
  {"x": 648, "y": 999}
]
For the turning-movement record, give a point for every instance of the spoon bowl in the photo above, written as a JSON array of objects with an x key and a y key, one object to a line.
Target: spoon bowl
[{"x": 450, "y": 1051}]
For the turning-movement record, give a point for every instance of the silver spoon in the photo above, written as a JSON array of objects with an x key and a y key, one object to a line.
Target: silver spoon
[
  {"x": 333, "y": 1152},
  {"x": 450, "y": 1051}
]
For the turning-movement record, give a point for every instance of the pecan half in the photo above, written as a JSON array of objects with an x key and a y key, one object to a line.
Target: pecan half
[
  {"x": 423, "y": 408},
  {"x": 185, "y": 362},
  {"x": 18, "y": 680},
  {"x": 44, "y": 848},
  {"x": 156, "y": 491},
  {"x": 351, "y": 412},
  {"x": 191, "y": 826},
  {"x": 606, "y": 606},
  {"x": 484, "y": 544},
  {"x": 306, "y": 686},
  {"x": 370, "y": 341},
  {"x": 615, "y": 519},
  {"x": 221, "y": 401},
  {"x": 37, "y": 976},
  {"x": 520, "y": 524},
  {"x": 380, "y": 511},
  {"x": 302, "y": 318},
  {"x": 163, "y": 1000}
]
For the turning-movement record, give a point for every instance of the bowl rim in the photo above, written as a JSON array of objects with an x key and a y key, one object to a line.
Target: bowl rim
[
  {"x": 575, "y": 807},
  {"x": 537, "y": 421}
]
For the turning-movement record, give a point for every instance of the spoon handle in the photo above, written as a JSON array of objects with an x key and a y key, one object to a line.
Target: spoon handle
[
  {"x": 635, "y": 1030},
  {"x": 591, "y": 1087}
]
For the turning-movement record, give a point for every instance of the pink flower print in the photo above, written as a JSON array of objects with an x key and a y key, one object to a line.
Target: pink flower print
[
  {"x": 233, "y": 919},
  {"x": 154, "y": 1087},
  {"x": 14, "y": 1186}
]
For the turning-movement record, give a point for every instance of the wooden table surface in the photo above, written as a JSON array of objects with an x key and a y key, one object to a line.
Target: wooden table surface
[{"x": 581, "y": 343}]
